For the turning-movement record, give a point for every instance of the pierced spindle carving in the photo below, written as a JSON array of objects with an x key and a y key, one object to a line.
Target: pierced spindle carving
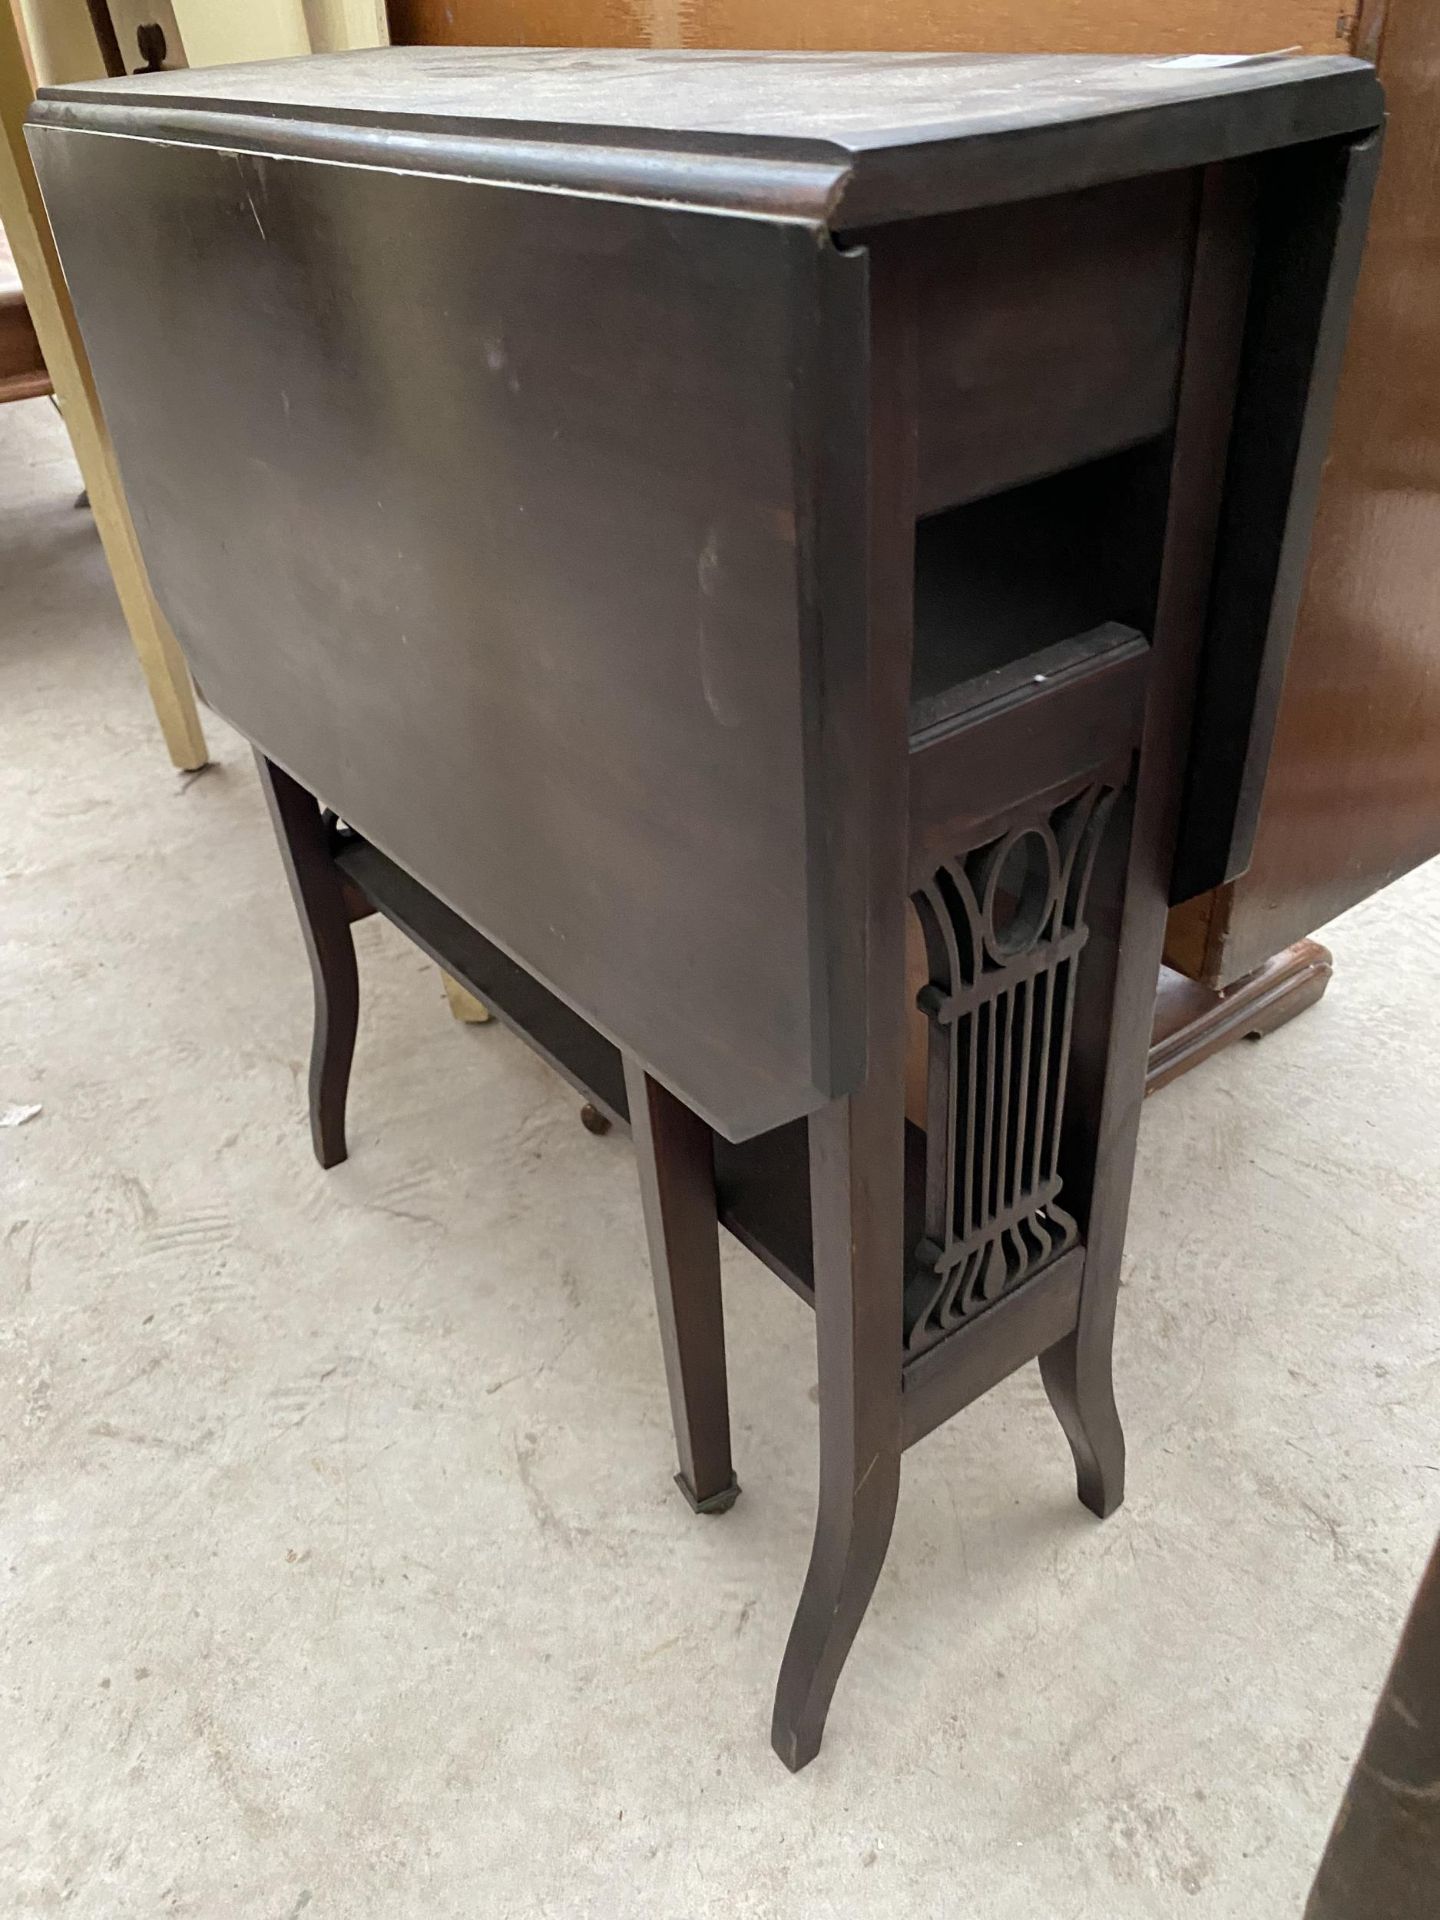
[{"x": 1004, "y": 928}]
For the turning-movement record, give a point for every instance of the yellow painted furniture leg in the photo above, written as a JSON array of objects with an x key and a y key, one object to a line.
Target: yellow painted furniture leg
[
  {"x": 22, "y": 214},
  {"x": 463, "y": 1003}
]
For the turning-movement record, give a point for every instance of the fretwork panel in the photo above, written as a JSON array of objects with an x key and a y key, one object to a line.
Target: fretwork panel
[{"x": 1005, "y": 932}]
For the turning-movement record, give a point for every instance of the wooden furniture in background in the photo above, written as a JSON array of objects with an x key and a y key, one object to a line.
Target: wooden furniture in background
[
  {"x": 655, "y": 727},
  {"x": 81, "y": 39},
  {"x": 22, "y": 365},
  {"x": 200, "y": 33},
  {"x": 1351, "y": 797},
  {"x": 962, "y": 26},
  {"x": 57, "y": 40},
  {"x": 1192, "y": 1021},
  {"x": 1383, "y": 1858},
  {"x": 1351, "y": 792},
  {"x": 48, "y": 301}
]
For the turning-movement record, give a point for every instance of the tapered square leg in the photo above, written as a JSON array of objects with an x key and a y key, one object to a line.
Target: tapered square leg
[
  {"x": 676, "y": 1160},
  {"x": 325, "y": 921}
]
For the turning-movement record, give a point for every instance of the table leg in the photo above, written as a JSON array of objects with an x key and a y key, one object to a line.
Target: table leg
[
  {"x": 1112, "y": 1025},
  {"x": 48, "y": 300},
  {"x": 676, "y": 1160},
  {"x": 1079, "y": 1382},
  {"x": 463, "y": 1004},
  {"x": 319, "y": 897},
  {"x": 857, "y": 1201}
]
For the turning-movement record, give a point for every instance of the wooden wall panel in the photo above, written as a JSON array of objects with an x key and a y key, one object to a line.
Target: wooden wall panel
[
  {"x": 1005, "y": 26},
  {"x": 521, "y": 23}
]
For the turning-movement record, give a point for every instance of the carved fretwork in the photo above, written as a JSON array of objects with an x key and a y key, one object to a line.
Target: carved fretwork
[{"x": 1004, "y": 928}]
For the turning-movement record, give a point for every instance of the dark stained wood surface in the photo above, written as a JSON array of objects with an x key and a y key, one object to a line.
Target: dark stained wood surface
[
  {"x": 1352, "y": 796},
  {"x": 1032, "y": 568},
  {"x": 677, "y": 1185},
  {"x": 857, "y": 1173},
  {"x": 1312, "y": 209},
  {"x": 564, "y": 1040},
  {"x": 1122, "y": 960},
  {"x": 836, "y": 140},
  {"x": 901, "y": 134},
  {"x": 763, "y": 1184},
  {"x": 546, "y": 634},
  {"x": 942, "y": 1382},
  {"x": 629, "y": 484},
  {"x": 1383, "y": 1858},
  {"x": 325, "y": 914},
  {"x": 1013, "y": 301},
  {"x": 861, "y": 100}
]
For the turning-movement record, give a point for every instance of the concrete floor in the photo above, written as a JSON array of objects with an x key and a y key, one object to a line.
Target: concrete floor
[{"x": 342, "y": 1571}]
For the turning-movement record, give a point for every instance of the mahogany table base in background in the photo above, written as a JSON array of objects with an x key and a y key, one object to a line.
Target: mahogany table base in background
[
  {"x": 1193, "y": 1022},
  {"x": 22, "y": 369}
]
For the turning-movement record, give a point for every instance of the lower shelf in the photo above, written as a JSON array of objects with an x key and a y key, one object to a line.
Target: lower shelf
[{"x": 762, "y": 1185}]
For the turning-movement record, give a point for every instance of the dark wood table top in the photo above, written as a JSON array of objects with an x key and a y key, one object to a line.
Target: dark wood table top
[
  {"x": 891, "y": 134},
  {"x": 531, "y": 529}
]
